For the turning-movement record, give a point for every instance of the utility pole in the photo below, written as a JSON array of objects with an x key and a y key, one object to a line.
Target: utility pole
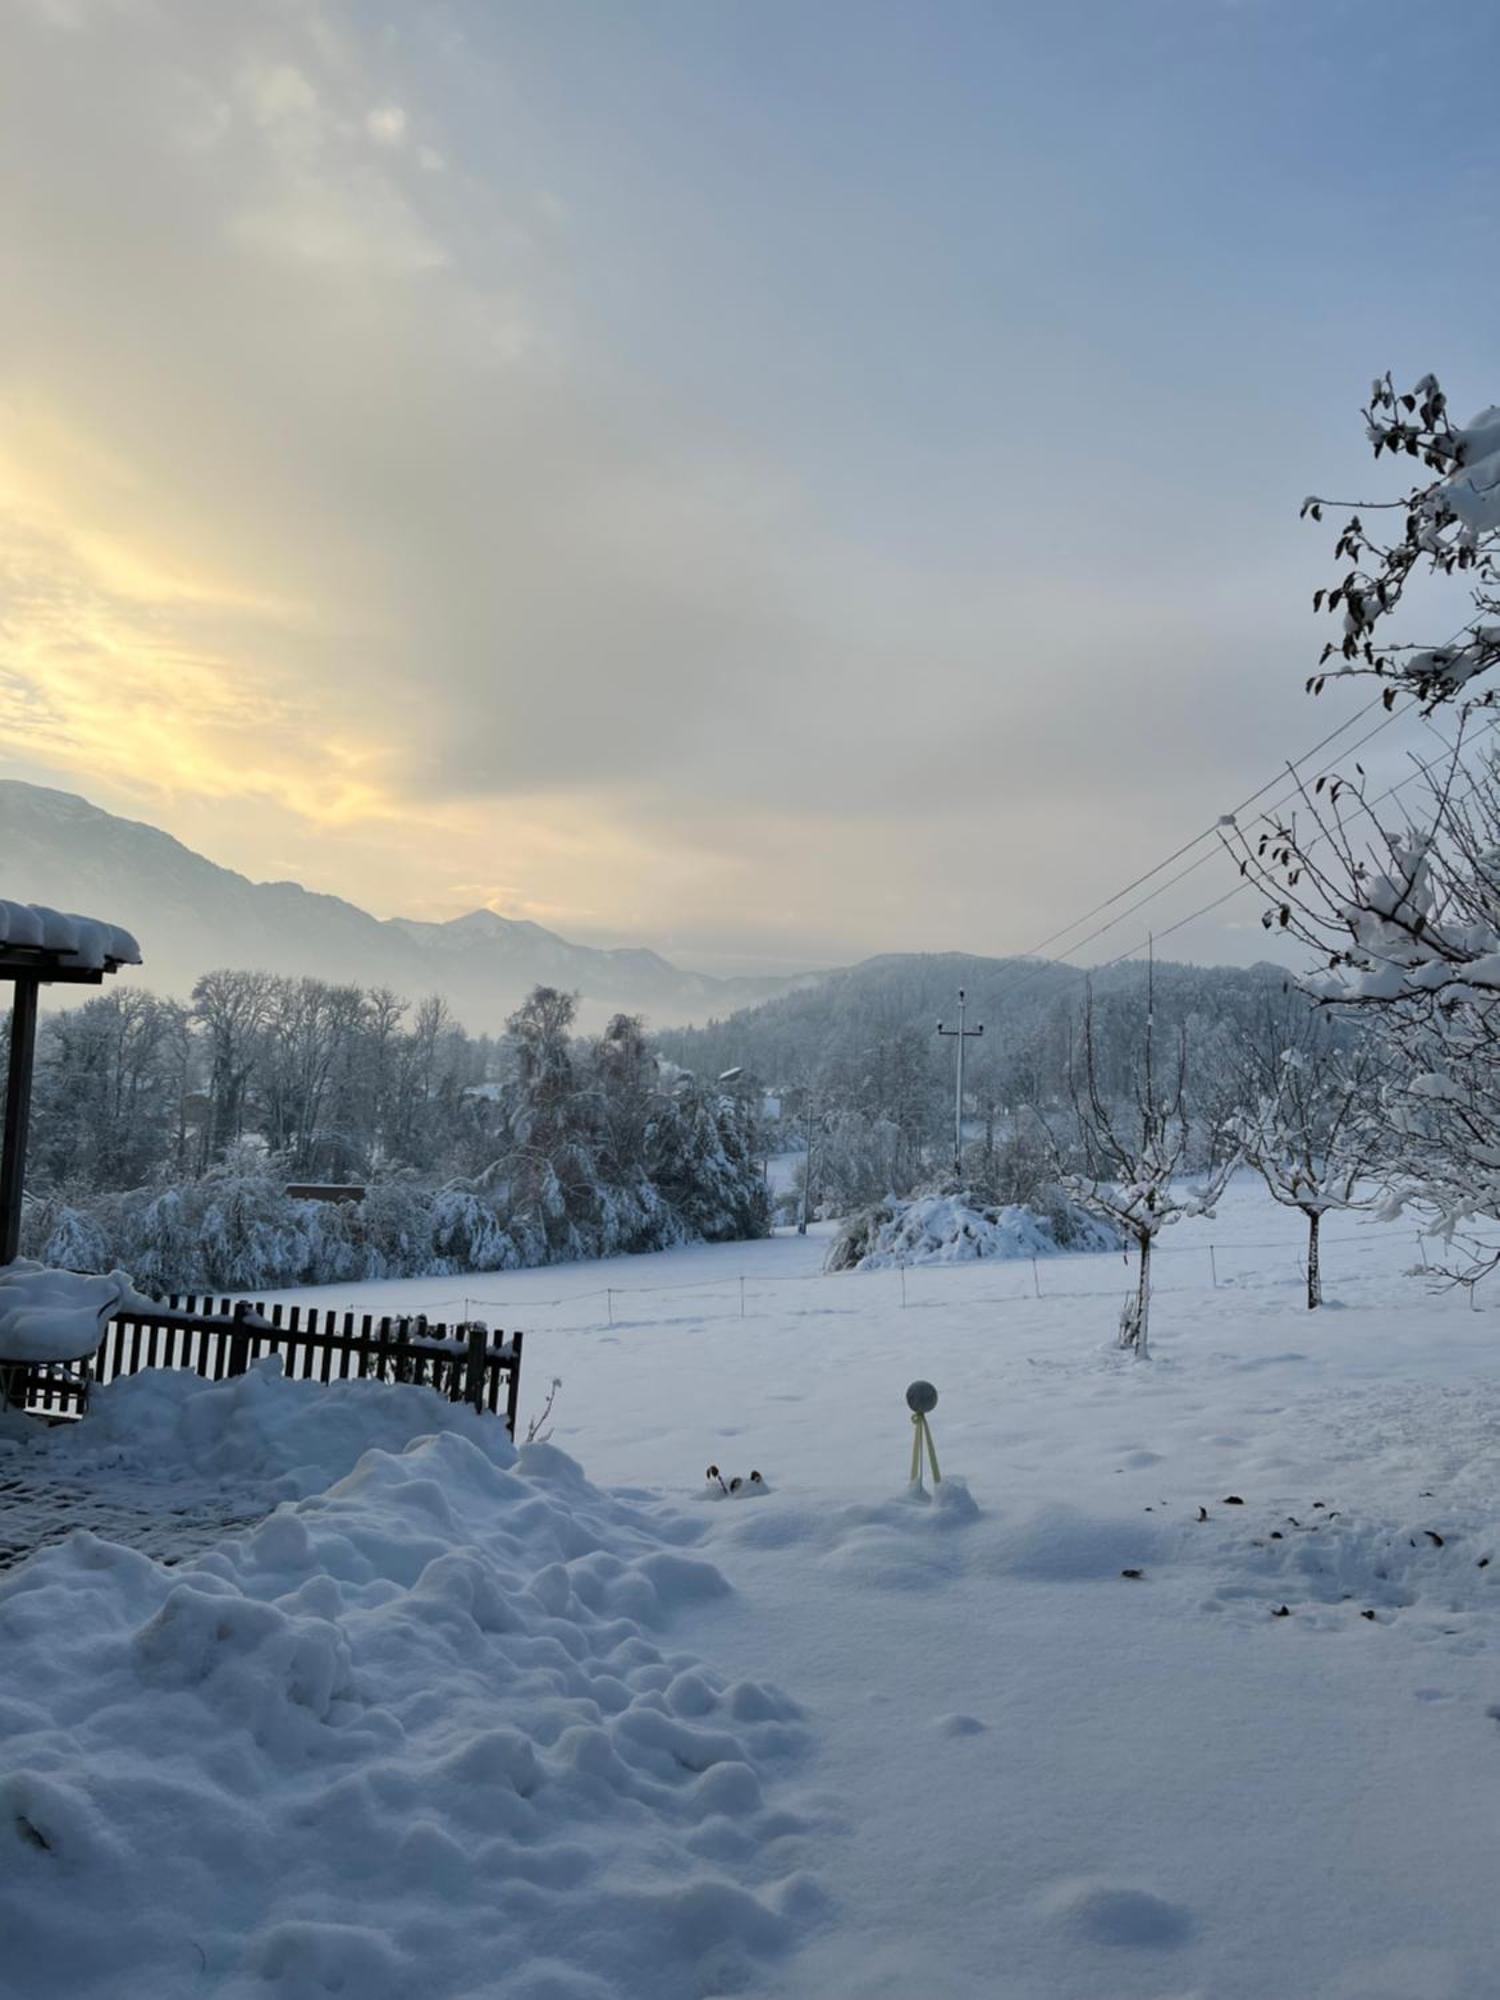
[
  {"x": 807, "y": 1134},
  {"x": 960, "y": 1035}
]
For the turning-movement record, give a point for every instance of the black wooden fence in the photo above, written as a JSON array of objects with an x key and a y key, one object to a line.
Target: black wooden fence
[{"x": 467, "y": 1364}]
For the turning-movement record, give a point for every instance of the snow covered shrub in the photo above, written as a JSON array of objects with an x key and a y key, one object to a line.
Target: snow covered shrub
[
  {"x": 333, "y": 1240},
  {"x": 466, "y": 1233},
  {"x": 249, "y": 1232},
  {"x": 64, "y": 1238},
  {"x": 957, "y": 1228},
  {"x": 395, "y": 1223}
]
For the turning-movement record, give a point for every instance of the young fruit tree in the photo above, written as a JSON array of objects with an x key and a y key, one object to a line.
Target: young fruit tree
[
  {"x": 1133, "y": 1153},
  {"x": 1404, "y": 905},
  {"x": 1311, "y": 1132}
]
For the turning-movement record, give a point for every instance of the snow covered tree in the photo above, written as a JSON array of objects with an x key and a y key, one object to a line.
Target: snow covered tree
[
  {"x": 1311, "y": 1133},
  {"x": 855, "y": 1158},
  {"x": 1133, "y": 1150},
  {"x": 1449, "y": 528},
  {"x": 110, "y": 1085},
  {"x": 1405, "y": 907},
  {"x": 704, "y": 1159}
]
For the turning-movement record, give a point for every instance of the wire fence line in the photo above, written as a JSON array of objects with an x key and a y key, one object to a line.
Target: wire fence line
[{"x": 1214, "y": 1266}]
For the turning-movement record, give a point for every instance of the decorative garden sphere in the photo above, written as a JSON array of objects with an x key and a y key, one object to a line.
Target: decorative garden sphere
[{"x": 921, "y": 1397}]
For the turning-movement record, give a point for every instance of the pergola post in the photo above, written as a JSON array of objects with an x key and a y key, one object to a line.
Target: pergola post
[{"x": 17, "y": 1113}]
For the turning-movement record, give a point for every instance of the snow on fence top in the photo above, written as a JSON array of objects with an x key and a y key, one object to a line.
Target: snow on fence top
[
  {"x": 85, "y": 942},
  {"x": 50, "y": 1315}
]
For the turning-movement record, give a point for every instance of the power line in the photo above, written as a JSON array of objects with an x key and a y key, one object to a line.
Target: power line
[
  {"x": 1197, "y": 840},
  {"x": 1033, "y": 973},
  {"x": 1248, "y": 883}
]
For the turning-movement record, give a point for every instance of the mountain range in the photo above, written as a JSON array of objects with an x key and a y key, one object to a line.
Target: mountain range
[{"x": 191, "y": 915}]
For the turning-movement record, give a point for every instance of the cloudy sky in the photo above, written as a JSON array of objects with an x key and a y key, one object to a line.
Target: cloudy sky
[{"x": 774, "y": 479}]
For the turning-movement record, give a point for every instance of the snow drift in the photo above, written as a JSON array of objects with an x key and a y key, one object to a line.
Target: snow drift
[
  {"x": 417, "y": 1733},
  {"x": 956, "y": 1228}
]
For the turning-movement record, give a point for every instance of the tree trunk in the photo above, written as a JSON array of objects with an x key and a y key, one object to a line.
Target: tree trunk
[
  {"x": 1143, "y": 1302},
  {"x": 1314, "y": 1269},
  {"x": 1135, "y": 1318}
]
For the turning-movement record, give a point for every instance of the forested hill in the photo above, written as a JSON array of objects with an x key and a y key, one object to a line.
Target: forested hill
[{"x": 836, "y": 1028}]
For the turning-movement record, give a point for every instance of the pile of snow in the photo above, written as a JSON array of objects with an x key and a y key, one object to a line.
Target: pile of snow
[
  {"x": 417, "y": 1734},
  {"x": 256, "y": 1433},
  {"x": 48, "y": 1315},
  {"x": 955, "y": 1229},
  {"x": 86, "y": 942}
]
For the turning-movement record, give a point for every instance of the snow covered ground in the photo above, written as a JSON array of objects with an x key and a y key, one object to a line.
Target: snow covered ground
[{"x": 521, "y": 1736}]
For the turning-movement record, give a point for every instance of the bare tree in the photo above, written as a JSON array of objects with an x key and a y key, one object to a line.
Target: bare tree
[
  {"x": 231, "y": 1006},
  {"x": 1310, "y": 1132},
  {"x": 1134, "y": 1153}
]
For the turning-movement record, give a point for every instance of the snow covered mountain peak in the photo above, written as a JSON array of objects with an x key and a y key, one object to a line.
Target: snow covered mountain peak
[{"x": 191, "y": 915}]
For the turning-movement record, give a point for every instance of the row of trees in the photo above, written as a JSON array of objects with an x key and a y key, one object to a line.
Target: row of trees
[
  {"x": 166, "y": 1137},
  {"x": 1304, "y": 1113},
  {"x": 1395, "y": 1080},
  {"x": 334, "y": 1082}
]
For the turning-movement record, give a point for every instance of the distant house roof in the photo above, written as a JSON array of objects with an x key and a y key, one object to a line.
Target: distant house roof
[{"x": 57, "y": 944}]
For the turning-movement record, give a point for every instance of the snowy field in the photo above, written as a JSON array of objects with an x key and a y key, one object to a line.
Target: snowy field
[{"x": 462, "y": 1726}]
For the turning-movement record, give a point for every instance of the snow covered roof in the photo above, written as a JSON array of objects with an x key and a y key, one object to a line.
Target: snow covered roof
[{"x": 71, "y": 942}]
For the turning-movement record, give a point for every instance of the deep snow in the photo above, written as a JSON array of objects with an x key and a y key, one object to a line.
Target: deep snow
[
  {"x": 420, "y": 1733},
  {"x": 1011, "y": 1769}
]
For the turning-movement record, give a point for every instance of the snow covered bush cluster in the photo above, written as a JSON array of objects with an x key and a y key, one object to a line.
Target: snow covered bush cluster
[
  {"x": 958, "y": 1227},
  {"x": 584, "y": 1150}
]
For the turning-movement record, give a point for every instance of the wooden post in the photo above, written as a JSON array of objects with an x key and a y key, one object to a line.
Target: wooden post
[
  {"x": 239, "y": 1340},
  {"x": 478, "y": 1350},
  {"x": 513, "y": 1390},
  {"x": 17, "y": 1114}
]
